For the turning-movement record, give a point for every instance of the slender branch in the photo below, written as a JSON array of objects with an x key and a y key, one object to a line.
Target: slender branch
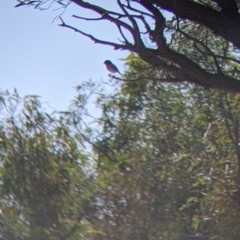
[
  {"x": 156, "y": 35},
  {"x": 105, "y": 14},
  {"x": 87, "y": 19},
  {"x": 96, "y": 40},
  {"x": 137, "y": 37},
  {"x": 167, "y": 80},
  {"x": 232, "y": 135},
  {"x": 233, "y": 123},
  {"x": 228, "y": 58},
  {"x": 209, "y": 51},
  {"x": 146, "y": 25},
  {"x": 128, "y": 6},
  {"x": 123, "y": 36}
]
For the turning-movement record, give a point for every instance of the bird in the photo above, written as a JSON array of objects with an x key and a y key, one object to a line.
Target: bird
[{"x": 111, "y": 67}]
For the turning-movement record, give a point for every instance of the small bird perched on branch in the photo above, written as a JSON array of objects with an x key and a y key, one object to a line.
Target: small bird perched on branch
[{"x": 111, "y": 67}]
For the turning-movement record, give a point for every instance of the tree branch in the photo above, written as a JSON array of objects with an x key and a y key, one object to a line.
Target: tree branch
[
  {"x": 181, "y": 64},
  {"x": 136, "y": 35},
  {"x": 105, "y": 15},
  {"x": 223, "y": 24},
  {"x": 95, "y": 40},
  {"x": 87, "y": 19},
  {"x": 228, "y": 6}
]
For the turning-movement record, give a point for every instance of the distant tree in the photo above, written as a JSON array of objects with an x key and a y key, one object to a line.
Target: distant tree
[
  {"x": 45, "y": 191},
  {"x": 168, "y": 161},
  {"x": 186, "y": 40}
]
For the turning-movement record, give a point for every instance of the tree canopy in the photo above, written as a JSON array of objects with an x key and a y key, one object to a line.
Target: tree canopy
[
  {"x": 186, "y": 40},
  {"x": 177, "y": 157},
  {"x": 41, "y": 172},
  {"x": 160, "y": 162}
]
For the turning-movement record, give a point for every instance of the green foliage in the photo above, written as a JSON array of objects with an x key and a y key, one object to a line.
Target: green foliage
[
  {"x": 160, "y": 162},
  {"x": 44, "y": 186},
  {"x": 175, "y": 148}
]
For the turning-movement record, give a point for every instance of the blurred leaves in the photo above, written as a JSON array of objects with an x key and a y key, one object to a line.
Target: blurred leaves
[
  {"x": 44, "y": 185},
  {"x": 160, "y": 161}
]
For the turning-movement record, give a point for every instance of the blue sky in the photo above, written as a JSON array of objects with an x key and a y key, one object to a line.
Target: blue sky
[{"x": 40, "y": 58}]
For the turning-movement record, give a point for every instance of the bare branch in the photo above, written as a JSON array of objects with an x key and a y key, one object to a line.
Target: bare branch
[
  {"x": 209, "y": 53},
  {"x": 123, "y": 36},
  {"x": 105, "y": 14},
  {"x": 146, "y": 25},
  {"x": 95, "y": 40},
  {"x": 167, "y": 80},
  {"x": 137, "y": 37},
  {"x": 128, "y": 6},
  {"x": 208, "y": 50},
  {"x": 87, "y": 19}
]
